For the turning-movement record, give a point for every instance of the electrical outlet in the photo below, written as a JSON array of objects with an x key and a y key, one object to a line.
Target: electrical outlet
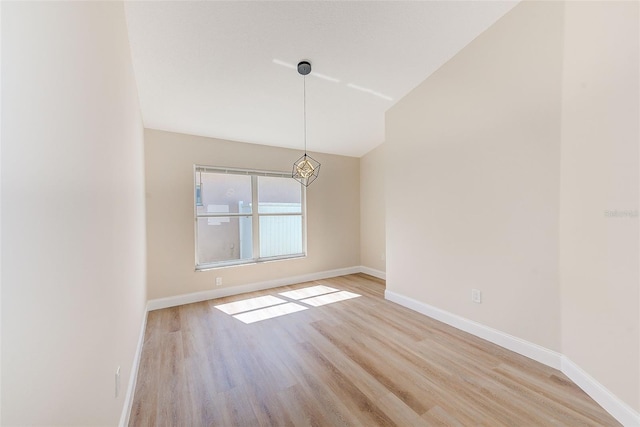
[
  {"x": 476, "y": 296},
  {"x": 117, "y": 381},
  {"x": 218, "y": 281}
]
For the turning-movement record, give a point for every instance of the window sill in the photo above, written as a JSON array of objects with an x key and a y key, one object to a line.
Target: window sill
[{"x": 218, "y": 266}]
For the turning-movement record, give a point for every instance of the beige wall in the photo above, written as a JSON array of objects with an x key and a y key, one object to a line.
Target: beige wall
[
  {"x": 473, "y": 179},
  {"x": 333, "y": 206},
  {"x": 372, "y": 210},
  {"x": 599, "y": 253},
  {"x": 73, "y": 277},
  {"x": 502, "y": 167}
]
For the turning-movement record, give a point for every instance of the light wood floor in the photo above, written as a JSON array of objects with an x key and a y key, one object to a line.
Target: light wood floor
[{"x": 363, "y": 361}]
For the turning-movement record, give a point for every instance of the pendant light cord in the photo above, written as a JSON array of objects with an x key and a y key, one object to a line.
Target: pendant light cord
[
  {"x": 305, "y": 169},
  {"x": 304, "y": 97}
]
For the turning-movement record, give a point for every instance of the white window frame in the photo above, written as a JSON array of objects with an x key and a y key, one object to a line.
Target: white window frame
[{"x": 255, "y": 216}]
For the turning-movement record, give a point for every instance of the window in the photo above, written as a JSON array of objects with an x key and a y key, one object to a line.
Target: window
[{"x": 244, "y": 216}]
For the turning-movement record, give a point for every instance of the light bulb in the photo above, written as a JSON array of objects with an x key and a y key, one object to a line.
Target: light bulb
[{"x": 304, "y": 168}]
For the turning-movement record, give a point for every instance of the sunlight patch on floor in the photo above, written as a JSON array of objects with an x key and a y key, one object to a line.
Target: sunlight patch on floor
[
  {"x": 329, "y": 298},
  {"x": 267, "y": 307},
  {"x": 249, "y": 304},
  {"x": 311, "y": 291},
  {"x": 269, "y": 312}
]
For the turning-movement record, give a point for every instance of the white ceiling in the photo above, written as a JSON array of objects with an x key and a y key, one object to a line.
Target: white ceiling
[{"x": 227, "y": 69}]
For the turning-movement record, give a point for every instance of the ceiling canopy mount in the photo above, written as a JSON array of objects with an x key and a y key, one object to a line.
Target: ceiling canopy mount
[{"x": 304, "y": 67}]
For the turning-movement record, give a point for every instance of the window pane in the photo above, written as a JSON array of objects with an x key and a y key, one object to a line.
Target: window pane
[
  {"x": 280, "y": 235},
  {"x": 279, "y": 195},
  {"x": 224, "y": 239},
  {"x": 223, "y": 193}
]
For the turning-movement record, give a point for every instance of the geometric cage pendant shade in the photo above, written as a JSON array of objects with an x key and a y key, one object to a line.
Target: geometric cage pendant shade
[{"x": 306, "y": 169}]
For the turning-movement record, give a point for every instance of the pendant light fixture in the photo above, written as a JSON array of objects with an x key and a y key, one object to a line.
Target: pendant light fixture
[{"x": 306, "y": 168}]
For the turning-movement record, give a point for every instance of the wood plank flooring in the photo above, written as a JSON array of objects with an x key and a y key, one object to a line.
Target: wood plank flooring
[{"x": 363, "y": 361}]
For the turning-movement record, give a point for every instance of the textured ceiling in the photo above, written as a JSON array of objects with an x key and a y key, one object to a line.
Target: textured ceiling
[{"x": 227, "y": 69}]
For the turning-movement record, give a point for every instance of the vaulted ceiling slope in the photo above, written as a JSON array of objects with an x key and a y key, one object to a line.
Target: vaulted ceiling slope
[{"x": 227, "y": 69}]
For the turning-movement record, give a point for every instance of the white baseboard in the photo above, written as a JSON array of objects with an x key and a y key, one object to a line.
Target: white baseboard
[
  {"x": 128, "y": 400},
  {"x": 373, "y": 272},
  {"x": 612, "y": 404},
  {"x": 520, "y": 346},
  {"x": 156, "y": 304},
  {"x": 609, "y": 401}
]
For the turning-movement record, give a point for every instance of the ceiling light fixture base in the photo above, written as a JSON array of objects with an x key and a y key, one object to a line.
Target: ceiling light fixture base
[{"x": 304, "y": 67}]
